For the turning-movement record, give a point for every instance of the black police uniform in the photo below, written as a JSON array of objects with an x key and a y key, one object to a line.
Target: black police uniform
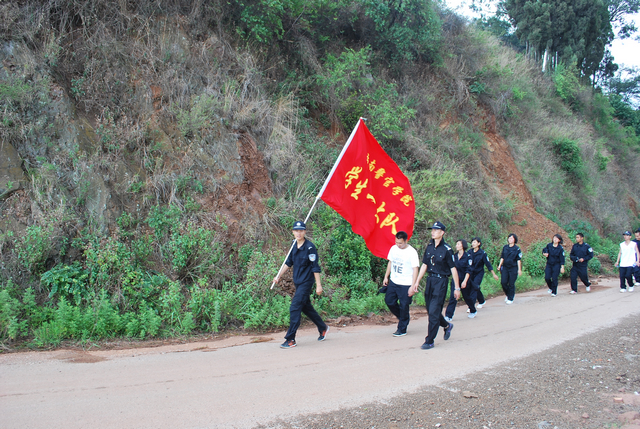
[
  {"x": 462, "y": 266},
  {"x": 579, "y": 269},
  {"x": 304, "y": 260},
  {"x": 479, "y": 259},
  {"x": 439, "y": 262},
  {"x": 510, "y": 256},
  {"x": 555, "y": 260},
  {"x": 636, "y": 269}
]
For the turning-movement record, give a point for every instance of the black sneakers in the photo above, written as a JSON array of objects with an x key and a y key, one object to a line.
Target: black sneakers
[
  {"x": 447, "y": 331},
  {"x": 427, "y": 346},
  {"x": 323, "y": 335},
  {"x": 399, "y": 333},
  {"x": 288, "y": 344}
]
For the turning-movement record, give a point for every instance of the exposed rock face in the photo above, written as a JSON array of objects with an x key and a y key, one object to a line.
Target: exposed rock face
[{"x": 12, "y": 177}]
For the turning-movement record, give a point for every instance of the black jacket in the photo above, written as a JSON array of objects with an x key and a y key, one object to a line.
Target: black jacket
[
  {"x": 583, "y": 251},
  {"x": 556, "y": 254},
  {"x": 480, "y": 260},
  {"x": 305, "y": 262},
  {"x": 510, "y": 256}
]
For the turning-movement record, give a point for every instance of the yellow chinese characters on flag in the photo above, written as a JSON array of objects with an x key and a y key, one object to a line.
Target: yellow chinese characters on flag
[{"x": 368, "y": 189}]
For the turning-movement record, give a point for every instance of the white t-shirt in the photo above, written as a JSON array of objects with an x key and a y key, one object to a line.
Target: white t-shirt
[
  {"x": 402, "y": 263},
  {"x": 627, "y": 254}
]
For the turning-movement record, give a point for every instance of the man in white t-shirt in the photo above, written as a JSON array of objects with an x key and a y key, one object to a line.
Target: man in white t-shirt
[{"x": 403, "y": 268}]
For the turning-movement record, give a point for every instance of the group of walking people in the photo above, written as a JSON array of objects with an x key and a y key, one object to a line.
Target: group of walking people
[{"x": 461, "y": 271}]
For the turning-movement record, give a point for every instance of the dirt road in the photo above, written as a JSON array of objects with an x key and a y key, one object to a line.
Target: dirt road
[{"x": 242, "y": 382}]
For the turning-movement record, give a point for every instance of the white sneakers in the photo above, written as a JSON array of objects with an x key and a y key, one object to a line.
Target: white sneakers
[
  {"x": 572, "y": 292},
  {"x": 549, "y": 291},
  {"x": 509, "y": 301},
  {"x": 480, "y": 305},
  {"x": 631, "y": 289},
  {"x": 623, "y": 290},
  {"x": 588, "y": 288},
  {"x": 472, "y": 315}
]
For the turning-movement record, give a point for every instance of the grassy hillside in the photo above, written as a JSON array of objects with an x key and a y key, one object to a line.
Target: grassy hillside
[{"x": 155, "y": 153}]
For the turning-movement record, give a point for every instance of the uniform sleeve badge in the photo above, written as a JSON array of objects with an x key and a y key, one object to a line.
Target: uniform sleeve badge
[{"x": 312, "y": 257}]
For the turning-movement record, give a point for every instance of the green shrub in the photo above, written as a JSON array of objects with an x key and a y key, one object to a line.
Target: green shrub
[
  {"x": 164, "y": 220},
  {"x": 405, "y": 29},
  {"x": 193, "y": 252},
  {"x": 533, "y": 261},
  {"x": 70, "y": 281},
  {"x": 570, "y": 157},
  {"x": 33, "y": 248},
  {"x": 567, "y": 84},
  {"x": 11, "y": 325}
]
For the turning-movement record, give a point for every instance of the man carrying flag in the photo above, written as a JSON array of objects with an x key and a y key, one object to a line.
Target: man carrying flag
[{"x": 304, "y": 259}]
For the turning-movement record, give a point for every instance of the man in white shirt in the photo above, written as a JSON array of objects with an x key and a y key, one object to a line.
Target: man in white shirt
[{"x": 403, "y": 268}]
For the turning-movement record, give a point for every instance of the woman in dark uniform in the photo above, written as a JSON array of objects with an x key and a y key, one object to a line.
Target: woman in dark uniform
[
  {"x": 479, "y": 260},
  {"x": 462, "y": 261},
  {"x": 555, "y": 263},
  {"x": 510, "y": 267}
]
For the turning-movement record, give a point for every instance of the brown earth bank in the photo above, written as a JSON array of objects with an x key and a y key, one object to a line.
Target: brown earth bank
[{"x": 529, "y": 225}]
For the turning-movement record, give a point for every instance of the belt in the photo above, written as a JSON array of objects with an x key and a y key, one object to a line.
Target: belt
[{"x": 440, "y": 276}]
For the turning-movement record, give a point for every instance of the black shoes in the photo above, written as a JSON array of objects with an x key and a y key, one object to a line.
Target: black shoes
[{"x": 447, "y": 331}]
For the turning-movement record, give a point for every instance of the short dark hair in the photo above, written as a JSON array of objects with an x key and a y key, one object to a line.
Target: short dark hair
[
  {"x": 401, "y": 235},
  {"x": 580, "y": 234},
  {"x": 637, "y": 230},
  {"x": 515, "y": 238},
  {"x": 465, "y": 246},
  {"x": 559, "y": 237},
  {"x": 478, "y": 240}
]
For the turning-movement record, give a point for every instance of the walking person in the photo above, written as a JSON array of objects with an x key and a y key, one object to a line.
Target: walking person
[
  {"x": 510, "y": 267},
  {"x": 636, "y": 271},
  {"x": 462, "y": 260},
  {"x": 479, "y": 260},
  {"x": 438, "y": 263},
  {"x": 402, "y": 272},
  {"x": 306, "y": 268},
  {"x": 555, "y": 263},
  {"x": 581, "y": 254},
  {"x": 627, "y": 261}
]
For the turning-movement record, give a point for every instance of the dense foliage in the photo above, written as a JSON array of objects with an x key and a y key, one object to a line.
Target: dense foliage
[{"x": 167, "y": 146}]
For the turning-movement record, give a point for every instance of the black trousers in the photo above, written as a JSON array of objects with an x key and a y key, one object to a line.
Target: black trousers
[
  {"x": 579, "y": 271},
  {"x": 508, "y": 278},
  {"x": 434, "y": 295},
  {"x": 469, "y": 294},
  {"x": 626, "y": 273},
  {"x": 476, "y": 281},
  {"x": 301, "y": 303},
  {"x": 551, "y": 273},
  {"x": 453, "y": 302},
  {"x": 398, "y": 300}
]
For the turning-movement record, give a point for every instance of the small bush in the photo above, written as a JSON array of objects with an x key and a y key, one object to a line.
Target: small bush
[
  {"x": 533, "y": 261},
  {"x": 570, "y": 157},
  {"x": 70, "y": 281},
  {"x": 33, "y": 248}
]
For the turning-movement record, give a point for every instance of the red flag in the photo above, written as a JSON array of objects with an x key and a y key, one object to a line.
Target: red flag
[{"x": 368, "y": 189}]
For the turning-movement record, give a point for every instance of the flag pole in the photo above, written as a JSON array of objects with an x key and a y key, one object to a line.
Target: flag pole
[{"x": 324, "y": 186}]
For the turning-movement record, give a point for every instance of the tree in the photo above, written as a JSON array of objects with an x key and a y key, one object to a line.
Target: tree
[
  {"x": 618, "y": 11},
  {"x": 577, "y": 31}
]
